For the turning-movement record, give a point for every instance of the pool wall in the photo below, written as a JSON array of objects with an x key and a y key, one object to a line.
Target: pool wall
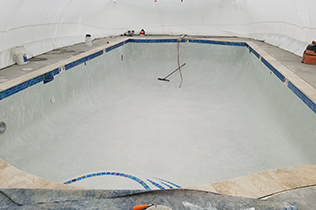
[
  {"x": 45, "y": 78},
  {"x": 47, "y": 75},
  {"x": 12, "y": 111}
]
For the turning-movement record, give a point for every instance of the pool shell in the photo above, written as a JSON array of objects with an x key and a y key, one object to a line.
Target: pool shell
[
  {"x": 283, "y": 74},
  {"x": 274, "y": 179}
]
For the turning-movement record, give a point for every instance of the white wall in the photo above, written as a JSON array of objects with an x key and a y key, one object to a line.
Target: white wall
[{"x": 43, "y": 25}]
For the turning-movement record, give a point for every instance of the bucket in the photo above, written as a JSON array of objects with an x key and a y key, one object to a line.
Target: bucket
[
  {"x": 88, "y": 40},
  {"x": 142, "y": 32},
  {"x": 19, "y": 55},
  {"x": 309, "y": 56}
]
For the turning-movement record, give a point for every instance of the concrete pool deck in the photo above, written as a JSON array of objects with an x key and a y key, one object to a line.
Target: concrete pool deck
[{"x": 259, "y": 185}]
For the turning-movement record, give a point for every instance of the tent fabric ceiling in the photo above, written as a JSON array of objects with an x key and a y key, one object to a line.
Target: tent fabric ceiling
[{"x": 41, "y": 26}]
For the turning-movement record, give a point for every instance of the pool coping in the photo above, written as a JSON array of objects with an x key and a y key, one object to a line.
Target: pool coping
[
  {"x": 257, "y": 185},
  {"x": 266, "y": 183}
]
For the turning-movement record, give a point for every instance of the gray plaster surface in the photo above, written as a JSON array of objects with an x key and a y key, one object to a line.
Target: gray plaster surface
[
  {"x": 305, "y": 198},
  {"x": 118, "y": 200}
]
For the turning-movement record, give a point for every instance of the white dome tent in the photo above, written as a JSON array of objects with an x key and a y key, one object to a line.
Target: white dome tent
[
  {"x": 41, "y": 26},
  {"x": 202, "y": 99}
]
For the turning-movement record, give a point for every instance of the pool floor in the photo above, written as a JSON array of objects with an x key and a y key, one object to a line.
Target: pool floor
[{"x": 218, "y": 125}]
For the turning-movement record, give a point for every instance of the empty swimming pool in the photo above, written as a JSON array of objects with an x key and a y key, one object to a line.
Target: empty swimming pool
[{"x": 107, "y": 122}]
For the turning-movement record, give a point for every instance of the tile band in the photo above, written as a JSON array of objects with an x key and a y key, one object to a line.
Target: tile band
[{"x": 141, "y": 182}]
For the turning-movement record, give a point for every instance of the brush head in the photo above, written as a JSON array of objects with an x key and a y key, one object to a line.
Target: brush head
[{"x": 163, "y": 79}]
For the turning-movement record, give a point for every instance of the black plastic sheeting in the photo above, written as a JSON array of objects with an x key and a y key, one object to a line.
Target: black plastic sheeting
[{"x": 125, "y": 199}]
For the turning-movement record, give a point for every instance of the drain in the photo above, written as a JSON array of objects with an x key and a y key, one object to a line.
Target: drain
[{"x": 3, "y": 127}]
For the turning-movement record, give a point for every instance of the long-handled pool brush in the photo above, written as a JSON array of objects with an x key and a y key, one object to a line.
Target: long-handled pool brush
[{"x": 165, "y": 78}]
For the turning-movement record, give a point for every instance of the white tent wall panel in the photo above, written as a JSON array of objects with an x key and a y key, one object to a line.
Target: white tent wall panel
[{"x": 43, "y": 25}]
